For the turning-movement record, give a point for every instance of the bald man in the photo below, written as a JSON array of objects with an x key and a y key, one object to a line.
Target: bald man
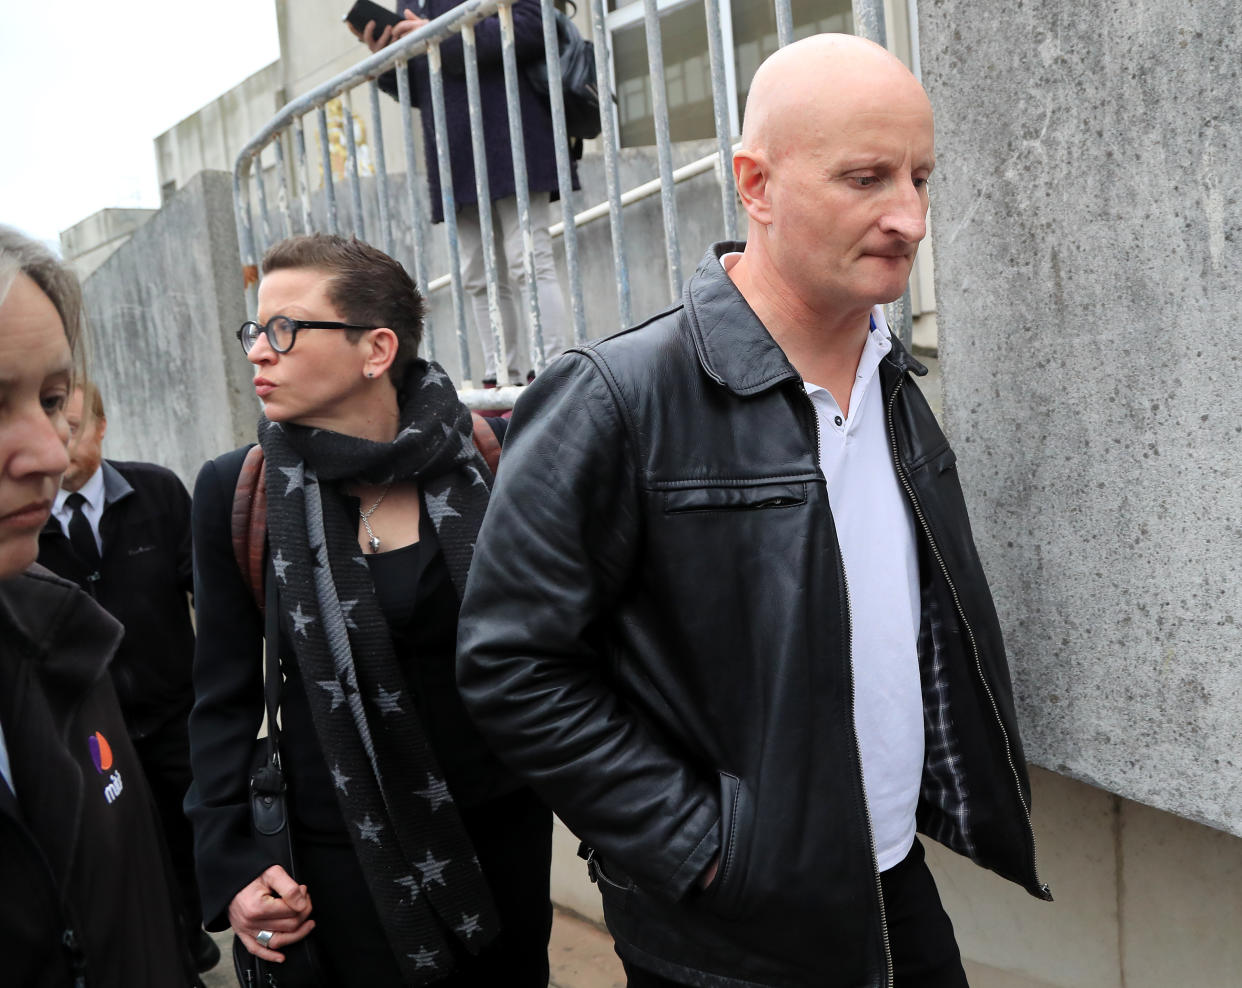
[{"x": 725, "y": 612}]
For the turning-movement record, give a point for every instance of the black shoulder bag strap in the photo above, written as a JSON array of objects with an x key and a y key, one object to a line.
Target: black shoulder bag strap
[{"x": 270, "y": 818}]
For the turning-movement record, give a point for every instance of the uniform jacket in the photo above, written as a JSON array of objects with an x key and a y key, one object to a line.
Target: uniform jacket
[
  {"x": 536, "y": 117},
  {"x": 83, "y": 886},
  {"x": 656, "y": 634},
  {"x": 144, "y": 578}
]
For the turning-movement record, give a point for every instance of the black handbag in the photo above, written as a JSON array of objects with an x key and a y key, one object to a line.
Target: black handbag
[{"x": 269, "y": 815}]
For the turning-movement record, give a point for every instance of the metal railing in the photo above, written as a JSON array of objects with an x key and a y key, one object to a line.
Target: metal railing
[{"x": 285, "y": 133}]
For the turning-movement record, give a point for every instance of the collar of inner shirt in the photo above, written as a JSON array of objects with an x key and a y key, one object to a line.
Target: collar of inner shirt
[{"x": 879, "y": 342}]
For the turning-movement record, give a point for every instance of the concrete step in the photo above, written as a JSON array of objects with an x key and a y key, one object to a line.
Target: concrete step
[{"x": 581, "y": 956}]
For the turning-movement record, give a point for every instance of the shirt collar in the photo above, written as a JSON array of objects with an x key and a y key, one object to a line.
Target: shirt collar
[
  {"x": 879, "y": 343},
  {"x": 92, "y": 491}
]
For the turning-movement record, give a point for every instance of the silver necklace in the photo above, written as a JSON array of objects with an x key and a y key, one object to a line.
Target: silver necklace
[{"x": 373, "y": 542}]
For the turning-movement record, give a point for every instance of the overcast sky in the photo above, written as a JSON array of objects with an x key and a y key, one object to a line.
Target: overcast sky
[{"x": 88, "y": 86}]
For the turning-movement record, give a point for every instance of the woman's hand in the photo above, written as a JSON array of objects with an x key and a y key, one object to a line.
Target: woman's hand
[
  {"x": 411, "y": 22},
  {"x": 273, "y": 902}
]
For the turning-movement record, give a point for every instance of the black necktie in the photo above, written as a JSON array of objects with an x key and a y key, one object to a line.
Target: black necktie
[{"x": 80, "y": 534}]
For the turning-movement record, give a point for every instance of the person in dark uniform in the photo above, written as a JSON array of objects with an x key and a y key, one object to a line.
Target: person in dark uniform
[
  {"x": 85, "y": 897},
  {"x": 121, "y": 531}
]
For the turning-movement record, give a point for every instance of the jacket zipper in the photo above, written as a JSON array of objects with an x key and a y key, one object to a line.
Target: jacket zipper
[
  {"x": 957, "y": 603},
  {"x": 849, "y": 616}
]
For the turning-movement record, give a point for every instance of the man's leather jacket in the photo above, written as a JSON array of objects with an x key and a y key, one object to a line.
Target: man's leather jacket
[{"x": 656, "y": 634}]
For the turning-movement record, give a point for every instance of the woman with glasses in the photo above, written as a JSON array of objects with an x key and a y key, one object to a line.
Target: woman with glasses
[{"x": 419, "y": 858}]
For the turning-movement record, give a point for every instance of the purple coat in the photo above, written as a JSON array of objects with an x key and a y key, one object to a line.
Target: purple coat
[{"x": 536, "y": 117}]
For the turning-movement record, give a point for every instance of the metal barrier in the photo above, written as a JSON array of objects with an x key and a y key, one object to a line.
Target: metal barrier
[{"x": 286, "y": 130}]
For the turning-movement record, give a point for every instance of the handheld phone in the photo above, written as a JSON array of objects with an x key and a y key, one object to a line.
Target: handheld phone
[{"x": 364, "y": 11}]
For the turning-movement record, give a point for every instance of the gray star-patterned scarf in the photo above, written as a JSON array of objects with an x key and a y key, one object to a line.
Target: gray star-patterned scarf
[{"x": 417, "y": 859}]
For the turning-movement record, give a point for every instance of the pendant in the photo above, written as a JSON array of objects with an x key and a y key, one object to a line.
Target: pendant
[{"x": 374, "y": 543}]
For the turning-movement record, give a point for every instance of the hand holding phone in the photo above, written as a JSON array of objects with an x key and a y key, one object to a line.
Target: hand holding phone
[{"x": 364, "y": 12}]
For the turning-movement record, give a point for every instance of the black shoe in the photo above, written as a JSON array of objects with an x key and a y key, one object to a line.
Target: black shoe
[
  {"x": 530, "y": 376},
  {"x": 203, "y": 951},
  {"x": 488, "y": 383}
]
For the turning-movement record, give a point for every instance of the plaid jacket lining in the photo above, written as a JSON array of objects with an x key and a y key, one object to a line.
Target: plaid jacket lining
[{"x": 945, "y": 816}]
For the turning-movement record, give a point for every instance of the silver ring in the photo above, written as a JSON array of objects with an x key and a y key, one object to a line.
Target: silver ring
[{"x": 264, "y": 937}]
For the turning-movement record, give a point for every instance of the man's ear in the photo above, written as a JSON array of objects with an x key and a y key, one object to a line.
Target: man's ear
[
  {"x": 750, "y": 174},
  {"x": 102, "y": 427},
  {"x": 381, "y": 351}
]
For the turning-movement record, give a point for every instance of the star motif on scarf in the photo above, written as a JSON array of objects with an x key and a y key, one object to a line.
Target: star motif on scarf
[
  {"x": 293, "y": 476},
  {"x": 300, "y": 620},
  {"x": 368, "y": 830},
  {"x": 469, "y": 926},
  {"x": 424, "y": 958},
  {"x": 321, "y": 555},
  {"x": 410, "y": 884},
  {"x": 338, "y": 694},
  {"x": 347, "y": 610},
  {"x": 432, "y": 869},
  {"x": 449, "y": 431},
  {"x": 434, "y": 376},
  {"x": 388, "y": 703},
  {"x": 339, "y": 778},
  {"x": 409, "y": 430},
  {"x": 478, "y": 477},
  {"x": 280, "y": 564},
  {"x": 436, "y": 792},
  {"x": 438, "y": 506}
]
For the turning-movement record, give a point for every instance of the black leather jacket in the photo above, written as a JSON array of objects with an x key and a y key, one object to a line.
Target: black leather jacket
[{"x": 656, "y": 634}]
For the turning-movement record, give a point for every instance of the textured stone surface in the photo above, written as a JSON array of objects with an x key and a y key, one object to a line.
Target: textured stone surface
[
  {"x": 163, "y": 312},
  {"x": 1087, "y": 222}
]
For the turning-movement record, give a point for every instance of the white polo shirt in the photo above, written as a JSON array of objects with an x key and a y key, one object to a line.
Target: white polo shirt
[{"x": 875, "y": 528}]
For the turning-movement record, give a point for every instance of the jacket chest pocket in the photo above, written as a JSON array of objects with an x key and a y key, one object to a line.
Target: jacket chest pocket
[{"x": 734, "y": 497}]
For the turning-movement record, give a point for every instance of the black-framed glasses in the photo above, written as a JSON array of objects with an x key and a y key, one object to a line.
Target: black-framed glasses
[{"x": 282, "y": 331}]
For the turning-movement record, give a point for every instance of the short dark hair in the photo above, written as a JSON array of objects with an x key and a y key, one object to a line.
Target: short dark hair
[{"x": 365, "y": 285}]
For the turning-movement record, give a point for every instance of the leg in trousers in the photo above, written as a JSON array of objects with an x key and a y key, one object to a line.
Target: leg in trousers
[
  {"x": 925, "y": 953},
  {"x": 553, "y": 317},
  {"x": 474, "y": 282}
]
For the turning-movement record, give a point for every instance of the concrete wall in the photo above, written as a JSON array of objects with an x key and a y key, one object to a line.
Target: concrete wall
[
  {"x": 89, "y": 243},
  {"x": 210, "y": 138},
  {"x": 163, "y": 311},
  {"x": 1088, "y": 223}
]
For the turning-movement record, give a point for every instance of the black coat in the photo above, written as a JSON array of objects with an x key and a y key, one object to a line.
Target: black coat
[
  {"x": 81, "y": 848},
  {"x": 145, "y": 576},
  {"x": 228, "y": 709},
  {"x": 656, "y": 634},
  {"x": 536, "y": 116}
]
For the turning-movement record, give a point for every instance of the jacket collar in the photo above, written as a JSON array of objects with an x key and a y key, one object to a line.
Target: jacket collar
[
  {"x": 60, "y": 627},
  {"x": 116, "y": 487},
  {"x": 734, "y": 347}
]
